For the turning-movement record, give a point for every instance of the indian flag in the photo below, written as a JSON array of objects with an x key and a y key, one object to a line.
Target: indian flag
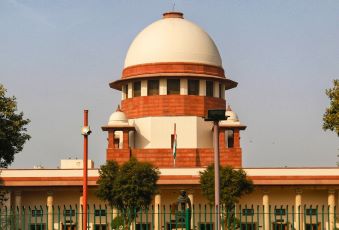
[{"x": 174, "y": 144}]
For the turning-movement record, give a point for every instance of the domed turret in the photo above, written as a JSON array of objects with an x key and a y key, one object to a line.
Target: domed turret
[
  {"x": 232, "y": 119},
  {"x": 118, "y": 118},
  {"x": 231, "y": 115}
]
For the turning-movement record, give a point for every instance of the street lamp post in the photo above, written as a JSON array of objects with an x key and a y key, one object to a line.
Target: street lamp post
[
  {"x": 216, "y": 115},
  {"x": 85, "y": 131}
]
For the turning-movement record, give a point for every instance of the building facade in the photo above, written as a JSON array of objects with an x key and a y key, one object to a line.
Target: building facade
[{"x": 172, "y": 76}]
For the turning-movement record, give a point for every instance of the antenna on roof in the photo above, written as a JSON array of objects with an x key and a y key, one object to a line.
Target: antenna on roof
[{"x": 173, "y": 7}]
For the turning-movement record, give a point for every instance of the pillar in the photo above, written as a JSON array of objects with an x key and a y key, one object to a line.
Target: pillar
[
  {"x": 222, "y": 88},
  {"x": 80, "y": 211},
  {"x": 125, "y": 139},
  {"x": 222, "y": 143},
  {"x": 236, "y": 133},
  {"x": 111, "y": 139},
  {"x": 202, "y": 88},
  {"x": 183, "y": 86},
  {"x": 299, "y": 213},
  {"x": 266, "y": 204},
  {"x": 157, "y": 212},
  {"x": 130, "y": 90},
  {"x": 18, "y": 207},
  {"x": 124, "y": 92},
  {"x": 216, "y": 89},
  {"x": 331, "y": 204},
  {"x": 163, "y": 86},
  {"x": 144, "y": 88},
  {"x": 191, "y": 197},
  {"x": 50, "y": 200}
]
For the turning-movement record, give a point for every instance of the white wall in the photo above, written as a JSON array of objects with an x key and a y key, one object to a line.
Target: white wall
[
  {"x": 204, "y": 134},
  {"x": 155, "y": 132}
]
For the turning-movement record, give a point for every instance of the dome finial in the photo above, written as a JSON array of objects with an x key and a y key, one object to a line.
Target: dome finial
[
  {"x": 118, "y": 109},
  {"x": 228, "y": 108}
]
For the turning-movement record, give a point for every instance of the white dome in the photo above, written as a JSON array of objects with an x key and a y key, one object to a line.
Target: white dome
[
  {"x": 232, "y": 116},
  {"x": 117, "y": 118},
  {"x": 173, "y": 39}
]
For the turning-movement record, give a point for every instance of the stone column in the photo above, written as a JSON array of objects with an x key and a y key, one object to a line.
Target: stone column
[
  {"x": 183, "y": 86},
  {"x": 331, "y": 204},
  {"x": 266, "y": 204},
  {"x": 130, "y": 90},
  {"x": 202, "y": 88},
  {"x": 236, "y": 133},
  {"x": 125, "y": 139},
  {"x": 80, "y": 211},
  {"x": 18, "y": 207},
  {"x": 216, "y": 89},
  {"x": 191, "y": 197},
  {"x": 157, "y": 212},
  {"x": 222, "y": 91},
  {"x": 50, "y": 200},
  {"x": 111, "y": 139},
  {"x": 163, "y": 87},
  {"x": 222, "y": 143},
  {"x": 144, "y": 88},
  {"x": 298, "y": 210}
]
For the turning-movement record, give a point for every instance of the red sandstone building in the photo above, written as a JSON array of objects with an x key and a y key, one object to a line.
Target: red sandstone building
[{"x": 172, "y": 75}]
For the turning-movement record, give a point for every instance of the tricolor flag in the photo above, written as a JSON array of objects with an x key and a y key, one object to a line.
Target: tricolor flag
[{"x": 174, "y": 144}]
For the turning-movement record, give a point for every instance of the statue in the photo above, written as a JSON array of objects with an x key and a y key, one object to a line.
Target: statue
[{"x": 184, "y": 208}]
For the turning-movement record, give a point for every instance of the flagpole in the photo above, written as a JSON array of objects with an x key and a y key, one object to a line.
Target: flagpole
[{"x": 174, "y": 143}]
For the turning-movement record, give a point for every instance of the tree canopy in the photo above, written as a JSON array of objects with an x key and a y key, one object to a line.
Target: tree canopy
[
  {"x": 233, "y": 185},
  {"x": 13, "y": 131},
  {"x": 331, "y": 116},
  {"x": 130, "y": 186}
]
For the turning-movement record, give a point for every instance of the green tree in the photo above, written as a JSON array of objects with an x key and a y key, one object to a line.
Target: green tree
[
  {"x": 129, "y": 187},
  {"x": 13, "y": 131},
  {"x": 233, "y": 184},
  {"x": 331, "y": 116}
]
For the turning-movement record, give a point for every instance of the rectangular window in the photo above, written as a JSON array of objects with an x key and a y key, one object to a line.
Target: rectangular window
[
  {"x": 248, "y": 211},
  {"x": 67, "y": 226},
  {"x": 37, "y": 213},
  {"x": 152, "y": 87},
  {"x": 279, "y": 211},
  {"x": 100, "y": 212},
  {"x": 38, "y": 226},
  {"x": 69, "y": 212},
  {"x": 193, "y": 87},
  {"x": 116, "y": 143},
  {"x": 144, "y": 226},
  {"x": 137, "y": 89},
  {"x": 205, "y": 226},
  {"x": 311, "y": 211},
  {"x": 173, "y": 86},
  {"x": 279, "y": 226},
  {"x": 100, "y": 227},
  {"x": 209, "y": 88},
  {"x": 249, "y": 226},
  {"x": 230, "y": 138},
  {"x": 313, "y": 226}
]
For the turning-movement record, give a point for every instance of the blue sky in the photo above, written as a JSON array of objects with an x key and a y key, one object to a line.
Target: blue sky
[{"x": 57, "y": 58}]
